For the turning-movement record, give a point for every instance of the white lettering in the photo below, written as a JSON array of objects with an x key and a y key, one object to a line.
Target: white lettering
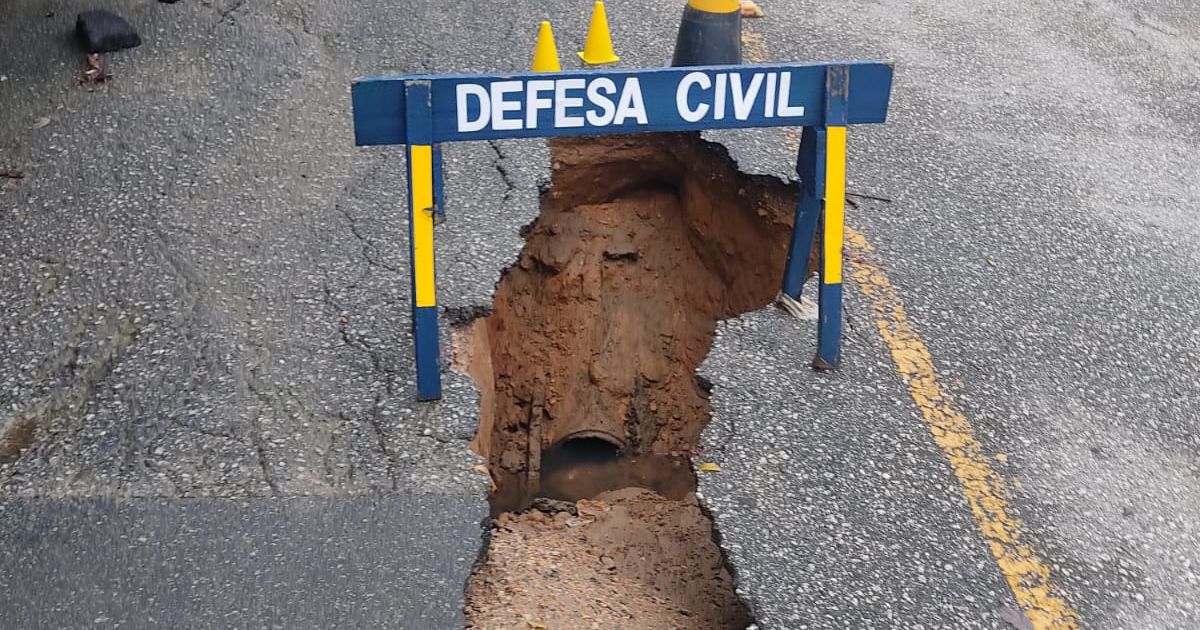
[
  {"x": 681, "y": 96},
  {"x": 533, "y": 103},
  {"x": 769, "y": 98},
  {"x": 743, "y": 101},
  {"x": 719, "y": 97},
  {"x": 463, "y": 91},
  {"x": 631, "y": 104},
  {"x": 500, "y": 106},
  {"x": 603, "y": 102},
  {"x": 562, "y": 102},
  {"x": 785, "y": 93}
]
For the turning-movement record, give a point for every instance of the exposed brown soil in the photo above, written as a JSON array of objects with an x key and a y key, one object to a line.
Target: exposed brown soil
[
  {"x": 629, "y": 560},
  {"x": 643, "y": 244},
  {"x": 16, "y": 437}
]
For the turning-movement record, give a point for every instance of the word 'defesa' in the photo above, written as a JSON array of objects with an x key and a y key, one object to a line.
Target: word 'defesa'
[{"x": 600, "y": 101}]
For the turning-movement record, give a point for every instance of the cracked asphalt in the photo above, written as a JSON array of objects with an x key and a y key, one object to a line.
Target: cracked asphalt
[
  {"x": 206, "y": 325},
  {"x": 1039, "y": 170},
  {"x": 206, "y": 389}
]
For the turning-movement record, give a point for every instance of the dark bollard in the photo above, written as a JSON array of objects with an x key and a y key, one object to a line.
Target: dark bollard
[{"x": 710, "y": 34}]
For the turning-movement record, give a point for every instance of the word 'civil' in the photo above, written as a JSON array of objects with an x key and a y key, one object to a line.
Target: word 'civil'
[{"x": 601, "y": 102}]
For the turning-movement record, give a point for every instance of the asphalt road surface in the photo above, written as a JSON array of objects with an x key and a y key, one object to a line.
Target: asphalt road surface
[{"x": 205, "y": 345}]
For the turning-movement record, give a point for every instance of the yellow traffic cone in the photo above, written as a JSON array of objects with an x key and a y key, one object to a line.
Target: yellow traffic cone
[
  {"x": 545, "y": 56},
  {"x": 598, "y": 48}
]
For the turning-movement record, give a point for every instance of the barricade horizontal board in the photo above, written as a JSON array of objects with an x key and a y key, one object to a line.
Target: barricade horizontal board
[{"x": 482, "y": 107}]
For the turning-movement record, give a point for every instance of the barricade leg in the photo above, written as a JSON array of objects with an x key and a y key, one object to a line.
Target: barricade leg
[
  {"x": 425, "y": 322},
  {"x": 829, "y": 327},
  {"x": 810, "y": 169},
  {"x": 421, "y": 217}
]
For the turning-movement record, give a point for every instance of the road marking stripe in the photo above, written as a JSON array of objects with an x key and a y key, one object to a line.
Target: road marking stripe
[
  {"x": 986, "y": 490},
  {"x": 987, "y": 493}
]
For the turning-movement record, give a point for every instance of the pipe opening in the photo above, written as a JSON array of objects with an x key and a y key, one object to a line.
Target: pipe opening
[{"x": 582, "y": 448}]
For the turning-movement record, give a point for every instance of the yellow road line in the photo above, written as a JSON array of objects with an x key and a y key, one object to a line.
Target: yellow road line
[{"x": 986, "y": 490}]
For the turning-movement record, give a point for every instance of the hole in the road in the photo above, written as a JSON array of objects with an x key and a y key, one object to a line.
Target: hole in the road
[{"x": 591, "y": 407}]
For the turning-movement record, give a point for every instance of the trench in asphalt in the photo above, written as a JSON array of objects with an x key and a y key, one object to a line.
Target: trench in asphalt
[{"x": 587, "y": 362}]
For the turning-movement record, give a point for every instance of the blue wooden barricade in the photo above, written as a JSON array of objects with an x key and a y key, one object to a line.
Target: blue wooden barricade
[{"x": 423, "y": 111}]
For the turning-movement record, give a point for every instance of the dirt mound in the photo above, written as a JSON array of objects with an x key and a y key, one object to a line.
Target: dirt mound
[{"x": 630, "y": 560}]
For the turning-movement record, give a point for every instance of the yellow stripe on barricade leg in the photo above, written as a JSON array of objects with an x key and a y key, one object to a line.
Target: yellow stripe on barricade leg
[
  {"x": 422, "y": 222},
  {"x": 835, "y": 203}
]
